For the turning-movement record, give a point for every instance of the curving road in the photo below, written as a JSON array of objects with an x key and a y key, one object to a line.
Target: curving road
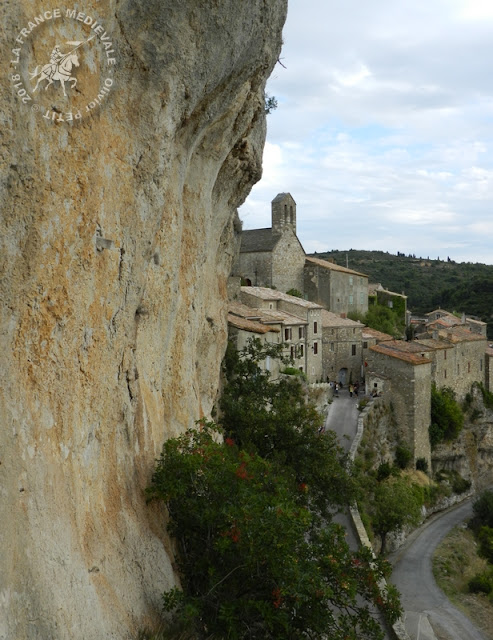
[{"x": 429, "y": 615}]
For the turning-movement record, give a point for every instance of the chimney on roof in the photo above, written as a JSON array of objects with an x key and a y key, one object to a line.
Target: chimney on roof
[{"x": 343, "y": 315}]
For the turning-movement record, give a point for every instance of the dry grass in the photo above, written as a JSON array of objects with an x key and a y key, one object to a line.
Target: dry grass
[{"x": 455, "y": 562}]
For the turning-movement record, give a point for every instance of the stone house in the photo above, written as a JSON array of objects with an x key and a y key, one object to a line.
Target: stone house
[
  {"x": 338, "y": 289},
  {"x": 371, "y": 337},
  {"x": 441, "y": 319},
  {"x": 463, "y": 363},
  {"x": 245, "y": 323},
  {"x": 401, "y": 372},
  {"x": 342, "y": 353},
  {"x": 302, "y": 328}
]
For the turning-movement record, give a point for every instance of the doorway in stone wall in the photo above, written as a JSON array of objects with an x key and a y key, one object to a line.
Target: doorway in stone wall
[{"x": 343, "y": 376}]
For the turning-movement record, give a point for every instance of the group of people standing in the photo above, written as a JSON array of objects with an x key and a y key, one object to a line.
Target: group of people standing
[{"x": 353, "y": 388}]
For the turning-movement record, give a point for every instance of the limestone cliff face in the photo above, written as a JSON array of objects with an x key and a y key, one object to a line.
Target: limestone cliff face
[{"x": 117, "y": 238}]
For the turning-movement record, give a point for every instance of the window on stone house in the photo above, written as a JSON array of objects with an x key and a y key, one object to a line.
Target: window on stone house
[
  {"x": 288, "y": 334},
  {"x": 445, "y": 373},
  {"x": 361, "y": 298},
  {"x": 292, "y": 353},
  {"x": 353, "y": 349},
  {"x": 315, "y": 327},
  {"x": 365, "y": 345},
  {"x": 315, "y": 348},
  {"x": 468, "y": 367},
  {"x": 351, "y": 297},
  {"x": 301, "y": 369},
  {"x": 390, "y": 304},
  {"x": 458, "y": 369},
  {"x": 300, "y": 333},
  {"x": 301, "y": 351},
  {"x": 332, "y": 346},
  {"x": 445, "y": 355}
]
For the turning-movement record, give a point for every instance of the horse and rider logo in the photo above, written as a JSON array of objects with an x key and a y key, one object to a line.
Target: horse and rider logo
[{"x": 59, "y": 67}]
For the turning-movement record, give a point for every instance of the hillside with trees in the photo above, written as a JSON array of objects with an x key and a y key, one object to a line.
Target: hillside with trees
[{"x": 428, "y": 283}]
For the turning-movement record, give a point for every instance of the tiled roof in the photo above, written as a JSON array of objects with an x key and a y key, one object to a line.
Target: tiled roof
[
  {"x": 282, "y": 317},
  {"x": 263, "y": 316},
  {"x": 257, "y": 240},
  {"x": 430, "y": 343},
  {"x": 249, "y": 325},
  {"x": 459, "y": 334},
  {"x": 333, "y": 267},
  {"x": 378, "y": 335},
  {"x": 330, "y": 319},
  {"x": 264, "y": 293},
  {"x": 395, "y": 350},
  {"x": 243, "y": 310}
]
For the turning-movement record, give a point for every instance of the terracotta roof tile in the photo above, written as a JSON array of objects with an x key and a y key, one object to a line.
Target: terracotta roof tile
[{"x": 333, "y": 267}]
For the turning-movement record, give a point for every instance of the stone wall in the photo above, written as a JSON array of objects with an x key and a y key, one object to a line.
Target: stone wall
[
  {"x": 256, "y": 267},
  {"x": 408, "y": 388},
  {"x": 342, "y": 349},
  {"x": 117, "y": 236},
  {"x": 288, "y": 259}
]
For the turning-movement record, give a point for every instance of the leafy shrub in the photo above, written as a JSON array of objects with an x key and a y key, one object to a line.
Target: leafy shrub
[
  {"x": 422, "y": 465},
  {"x": 457, "y": 483},
  {"x": 487, "y": 395},
  {"x": 481, "y": 583},
  {"x": 483, "y": 510},
  {"x": 384, "y": 471},
  {"x": 402, "y": 456},
  {"x": 292, "y": 371},
  {"x": 485, "y": 539},
  {"x": 294, "y": 292}
]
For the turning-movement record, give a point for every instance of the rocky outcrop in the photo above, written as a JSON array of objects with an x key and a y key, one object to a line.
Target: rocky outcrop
[{"x": 117, "y": 240}]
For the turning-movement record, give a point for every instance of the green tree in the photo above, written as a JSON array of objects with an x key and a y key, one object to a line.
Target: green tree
[
  {"x": 259, "y": 554},
  {"x": 252, "y": 562},
  {"x": 395, "y": 504},
  {"x": 483, "y": 510},
  {"x": 447, "y": 417},
  {"x": 275, "y": 420}
]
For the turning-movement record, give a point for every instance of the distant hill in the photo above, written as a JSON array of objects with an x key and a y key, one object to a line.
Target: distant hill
[{"x": 428, "y": 284}]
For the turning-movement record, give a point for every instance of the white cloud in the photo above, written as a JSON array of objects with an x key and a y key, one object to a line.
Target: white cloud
[{"x": 383, "y": 134}]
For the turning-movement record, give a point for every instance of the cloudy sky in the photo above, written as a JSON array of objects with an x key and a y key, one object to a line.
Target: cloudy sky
[{"x": 383, "y": 133}]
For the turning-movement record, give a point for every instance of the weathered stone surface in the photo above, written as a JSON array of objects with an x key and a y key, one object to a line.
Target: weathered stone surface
[{"x": 117, "y": 236}]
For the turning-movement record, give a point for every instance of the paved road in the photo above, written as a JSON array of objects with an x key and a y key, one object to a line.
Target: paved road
[
  {"x": 343, "y": 418},
  {"x": 429, "y": 615}
]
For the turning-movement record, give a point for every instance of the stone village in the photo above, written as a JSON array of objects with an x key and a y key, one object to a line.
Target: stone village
[{"x": 326, "y": 345}]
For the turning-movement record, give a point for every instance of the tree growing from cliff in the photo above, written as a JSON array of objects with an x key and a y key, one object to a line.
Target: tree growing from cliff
[
  {"x": 258, "y": 553},
  {"x": 447, "y": 417}
]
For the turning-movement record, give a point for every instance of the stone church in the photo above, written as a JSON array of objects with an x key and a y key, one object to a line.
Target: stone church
[{"x": 274, "y": 257}]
